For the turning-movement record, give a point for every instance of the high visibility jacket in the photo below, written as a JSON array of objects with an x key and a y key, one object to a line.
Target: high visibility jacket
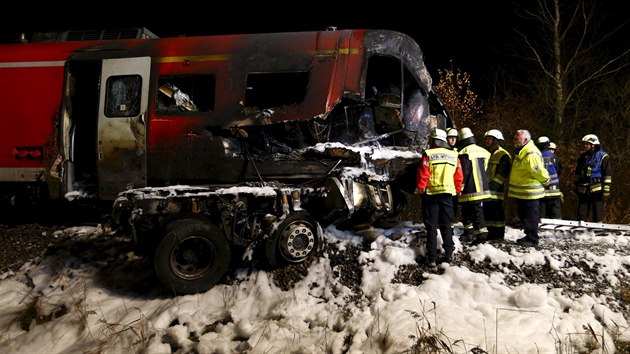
[
  {"x": 593, "y": 173},
  {"x": 528, "y": 175},
  {"x": 474, "y": 160},
  {"x": 553, "y": 167},
  {"x": 499, "y": 167},
  {"x": 440, "y": 172}
]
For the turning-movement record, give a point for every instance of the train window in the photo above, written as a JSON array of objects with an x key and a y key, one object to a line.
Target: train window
[
  {"x": 180, "y": 94},
  {"x": 123, "y": 96},
  {"x": 268, "y": 90}
]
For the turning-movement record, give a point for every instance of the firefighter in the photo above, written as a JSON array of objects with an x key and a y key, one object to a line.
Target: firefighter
[
  {"x": 474, "y": 161},
  {"x": 499, "y": 167},
  {"x": 551, "y": 203},
  {"x": 528, "y": 178},
  {"x": 592, "y": 179},
  {"x": 439, "y": 178},
  {"x": 451, "y": 139}
]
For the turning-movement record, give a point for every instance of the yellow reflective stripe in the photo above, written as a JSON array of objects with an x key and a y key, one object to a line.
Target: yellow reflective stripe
[
  {"x": 195, "y": 58},
  {"x": 224, "y": 57},
  {"x": 495, "y": 223}
]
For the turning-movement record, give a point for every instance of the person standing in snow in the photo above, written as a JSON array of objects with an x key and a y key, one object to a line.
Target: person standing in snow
[
  {"x": 439, "y": 178},
  {"x": 551, "y": 203},
  {"x": 528, "y": 178},
  {"x": 474, "y": 161},
  {"x": 499, "y": 167},
  {"x": 451, "y": 139},
  {"x": 592, "y": 179}
]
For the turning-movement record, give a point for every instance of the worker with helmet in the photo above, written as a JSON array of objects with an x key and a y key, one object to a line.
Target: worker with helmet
[
  {"x": 451, "y": 138},
  {"x": 592, "y": 179},
  {"x": 528, "y": 178},
  {"x": 499, "y": 166},
  {"x": 475, "y": 191},
  {"x": 551, "y": 203},
  {"x": 439, "y": 178}
]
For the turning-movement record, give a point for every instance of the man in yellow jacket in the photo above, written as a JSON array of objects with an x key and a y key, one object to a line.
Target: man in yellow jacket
[{"x": 528, "y": 178}]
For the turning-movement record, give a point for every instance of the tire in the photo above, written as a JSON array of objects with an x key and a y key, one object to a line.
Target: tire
[
  {"x": 192, "y": 256},
  {"x": 293, "y": 241}
]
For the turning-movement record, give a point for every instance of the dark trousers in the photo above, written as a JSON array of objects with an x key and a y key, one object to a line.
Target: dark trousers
[
  {"x": 473, "y": 218},
  {"x": 587, "y": 203},
  {"x": 495, "y": 219},
  {"x": 528, "y": 212},
  {"x": 437, "y": 212},
  {"x": 551, "y": 208}
]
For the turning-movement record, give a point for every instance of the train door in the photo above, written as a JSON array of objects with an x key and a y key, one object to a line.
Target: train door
[{"x": 122, "y": 114}]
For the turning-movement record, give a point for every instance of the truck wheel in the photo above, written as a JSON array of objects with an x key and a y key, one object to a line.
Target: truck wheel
[
  {"x": 192, "y": 256},
  {"x": 294, "y": 240}
]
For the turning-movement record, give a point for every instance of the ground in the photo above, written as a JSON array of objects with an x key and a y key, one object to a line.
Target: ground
[{"x": 29, "y": 242}]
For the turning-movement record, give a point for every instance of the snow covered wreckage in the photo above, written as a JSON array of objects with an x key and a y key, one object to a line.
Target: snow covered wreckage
[{"x": 210, "y": 143}]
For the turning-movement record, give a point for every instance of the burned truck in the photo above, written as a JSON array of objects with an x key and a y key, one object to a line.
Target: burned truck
[{"x": 205, "y": 144}]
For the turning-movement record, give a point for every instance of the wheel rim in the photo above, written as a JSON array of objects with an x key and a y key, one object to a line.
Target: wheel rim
[
  {"x": 193, "y": 257},
  {"x": 297, "y": 241}
]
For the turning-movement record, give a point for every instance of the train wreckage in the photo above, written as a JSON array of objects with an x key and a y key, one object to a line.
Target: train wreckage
[{"x": 204, "y": 144}]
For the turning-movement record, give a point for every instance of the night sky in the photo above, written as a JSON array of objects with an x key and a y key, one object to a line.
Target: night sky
[{"x": 474, "y": 36}]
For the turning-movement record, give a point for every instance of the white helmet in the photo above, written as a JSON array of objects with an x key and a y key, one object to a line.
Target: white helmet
[
  {"x": 439, "y": 134},
  {"x": 552, "y": 146},
  {"x": 542, "y": 140},
  {"x": 451, "y": 132},
  {"x": 494, "y": 133},
  {"x": 465, "y": 133},
  {"x": 591, "y": 138}
]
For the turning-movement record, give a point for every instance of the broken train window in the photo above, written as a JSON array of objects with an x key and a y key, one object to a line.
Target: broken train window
[
  {"x": 269, "y": 90},
  {"x": 385, "y": 84},
  {"x": 123, "y": 96},
  {"x": 181, "y": 94}
]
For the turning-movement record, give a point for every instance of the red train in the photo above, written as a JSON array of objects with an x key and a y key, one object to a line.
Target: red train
[{"x": 165, "y": 126}]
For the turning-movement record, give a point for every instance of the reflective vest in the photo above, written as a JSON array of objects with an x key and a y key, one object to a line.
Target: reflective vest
[
  {"x": 494, "y": 176},
  {"x": 591, "y": 177},
  {"x": 442, "y": 165},
  {"x": 553, "y": 188},
  {"x": 476, "y": 185},
  {"x": 528, "y": 174}
]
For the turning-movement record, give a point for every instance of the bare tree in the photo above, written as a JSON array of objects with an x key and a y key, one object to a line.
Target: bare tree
[{"x": 570, "y": 46}]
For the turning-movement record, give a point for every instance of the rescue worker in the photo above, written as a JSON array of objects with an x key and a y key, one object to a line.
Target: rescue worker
[
  {"x": 528, "y": 178},
  {"x": 475, "y": 191},
  {"x": 592, "y": 179},
  {"x": 499, "y": 167},
  {"x": 451, "y": 139},
  {"x": 439, "y": 178},
  {"x": 551, "y": 203}
]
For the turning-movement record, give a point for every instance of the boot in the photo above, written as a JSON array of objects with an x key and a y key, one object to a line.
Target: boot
[{"x": 481, "y": 238}]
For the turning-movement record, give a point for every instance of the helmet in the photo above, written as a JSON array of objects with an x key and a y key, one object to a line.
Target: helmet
[
  {"x": 439, "y": 134},
  {"x": 591, "y": 138},
  {"x": 542, "y": 140},
  {"x": 494, "y": 133},
  {"x": 451, "y": 132},
  {"x": 552, "y": 146},
  {"x": 465, "y": 133}
]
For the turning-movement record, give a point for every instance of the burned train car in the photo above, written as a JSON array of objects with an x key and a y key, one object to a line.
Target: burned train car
[{"x": 205, "y": 143}]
